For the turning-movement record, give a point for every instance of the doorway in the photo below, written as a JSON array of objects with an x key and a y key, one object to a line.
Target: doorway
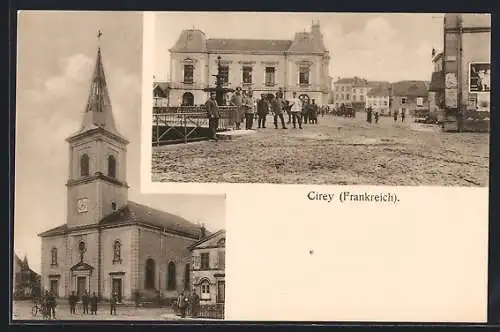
[
  {"x": 81, "y": 286},
  {"x": 187, "y": 99},
  {"x": 54, "y": 287},
  {"x": 117, "y": 288},
  {"x": 221, "y": 290}
]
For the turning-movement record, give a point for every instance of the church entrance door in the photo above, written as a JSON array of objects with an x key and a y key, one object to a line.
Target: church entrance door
[
  {"x": 81, "y": 286},
  {"x": 117, "y": 288}
]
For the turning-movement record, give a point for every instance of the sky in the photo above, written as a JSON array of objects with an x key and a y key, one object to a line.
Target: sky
[
  {"x": 56, "y": 55},
  {"x": 376, "y": 46}
]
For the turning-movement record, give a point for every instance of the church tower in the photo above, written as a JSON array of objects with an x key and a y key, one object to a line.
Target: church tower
[{"x": 97, "y": 183}]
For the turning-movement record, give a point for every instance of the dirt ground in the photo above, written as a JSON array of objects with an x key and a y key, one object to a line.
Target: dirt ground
[{"x": 336, "y": 151}]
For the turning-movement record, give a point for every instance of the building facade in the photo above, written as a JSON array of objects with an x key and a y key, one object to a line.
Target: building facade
[
  {"x": 409, "y": 97},
  {"x": 108, "y": 243},
  {"x": 466, "y": 71},
  {"x": 26, "y": 282},
  {"x": 378, "y": 99},
  {"x": 299, "y": 65},
  {"x": 209, "y": 261}
]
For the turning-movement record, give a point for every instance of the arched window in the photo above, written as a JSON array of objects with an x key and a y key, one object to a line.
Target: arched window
[
  {"x": 187, "y": 99},
  {"x": 84, "y": 165},
  {"x": 117, "y": 252},
  {"x": 150, "y": 274},
  {"x": 187, "y": 277},
  {"x": 53, "y": 255},
  {"x": 171, "y": 282},
  {"x": 111, "y": 166},
  {"x": 205, "y": 290}
]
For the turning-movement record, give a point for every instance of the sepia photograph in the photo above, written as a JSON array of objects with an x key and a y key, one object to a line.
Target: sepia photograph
[
  {"x": 395, "y": 99},
  {"x": 88, "y": 245}
]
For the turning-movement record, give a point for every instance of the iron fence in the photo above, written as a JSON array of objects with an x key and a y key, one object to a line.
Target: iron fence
[
  {"x": 214, "y": 311},
  {"x": 185, "y": 123}
]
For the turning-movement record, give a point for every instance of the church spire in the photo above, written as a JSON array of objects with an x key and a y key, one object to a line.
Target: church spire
[{"x": 98, "y": 111}]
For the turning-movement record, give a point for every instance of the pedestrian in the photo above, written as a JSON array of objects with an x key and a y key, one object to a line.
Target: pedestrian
[
  {"x": 112, "y": 303},
  {"x": 93, "y": 304},
  {"x": 195, "y": 304},
  {"x": 295, "y": 110},
  {"x": 262, "y": 111},
  {"x": 85, "y": 303},
  {"x": 305, "y": 111},
  {"x": 277, "y": 108},
  {"x": 376, "y": 117},
  {"x": 248, "y": 103},
  {"x": 395, "y": 115},
  {"x": 213, "y": 115},
  {"x": 183, "y": 303},
  {"x": 369, "y": 113},
  {"x": 313, "y": 115},
  {"x": 72, "y": 303},
  {"x": 51, "y": 305},
  {"x": 402, "y": 115},
  {"x": 137, "y": 298},
  {"x": 237, "y": 102}
]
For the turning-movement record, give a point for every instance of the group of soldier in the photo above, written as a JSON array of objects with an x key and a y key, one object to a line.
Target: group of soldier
[
  {"x": 246, "y": 107},
  {"x": 188, "y": 303}
]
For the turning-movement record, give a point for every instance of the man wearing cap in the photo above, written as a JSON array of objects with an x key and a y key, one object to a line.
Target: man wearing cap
[
  {"x": 296, "y": 109},
  {"x": 213, "y": 115},
  {"x": 236, "y": 100},
  {"x": 262, "y": 110},
  {"x": 277, "y": 108},
  {"x": 249, "y": 103}
]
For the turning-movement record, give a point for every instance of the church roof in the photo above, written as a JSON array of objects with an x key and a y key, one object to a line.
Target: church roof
[
  {"x": 134, "y": 213},
  {"x": 98, "y": 111}
]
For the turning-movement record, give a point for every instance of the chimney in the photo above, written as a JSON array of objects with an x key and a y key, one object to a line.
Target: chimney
[{"x": 203, "y": 232}]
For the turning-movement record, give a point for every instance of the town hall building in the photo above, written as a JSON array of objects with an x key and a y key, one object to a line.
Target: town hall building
[
  {"x": 262, "y": 65},
  {"x": 108, "y": 243}
]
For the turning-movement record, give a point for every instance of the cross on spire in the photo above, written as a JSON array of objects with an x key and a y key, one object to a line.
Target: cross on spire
[{"x": 99, "y": 34}]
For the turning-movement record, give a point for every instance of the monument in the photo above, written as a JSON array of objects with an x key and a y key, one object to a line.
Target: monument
[{"x": 220, "y": 91}]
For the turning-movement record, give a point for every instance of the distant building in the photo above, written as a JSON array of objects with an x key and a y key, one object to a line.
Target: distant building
[
  {"x": 353, "y": 91},
  {"x": 466, "y": 71},
  {"x": 161, "y": 93},
  {"x": 26, "y": 281},
  {"x": 107, "y": 243},
  {"x": 209, "y": 264},
  {"x": 408, "y": 97},
  {"x": 378, "y": 98},
  {"x": 299, "y": 65}
]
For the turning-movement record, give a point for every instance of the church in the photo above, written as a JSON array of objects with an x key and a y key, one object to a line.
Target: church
[{"x": 108, "y": 243}]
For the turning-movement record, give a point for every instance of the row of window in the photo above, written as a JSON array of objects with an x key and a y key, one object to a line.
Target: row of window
[
  {"x": 270, "y": 75},
  {"x": 348, "y": 97},
  {"x": 204, "y": 260},
  {"x": 117, "y": 252},
  {"x": 345, "y": 88},
  {"x": 85, "y": 166}
]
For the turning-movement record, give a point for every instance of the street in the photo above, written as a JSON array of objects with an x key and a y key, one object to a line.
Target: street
[
  {"x": 337, "y": 151},
  {"x": 22, "y": 311}
]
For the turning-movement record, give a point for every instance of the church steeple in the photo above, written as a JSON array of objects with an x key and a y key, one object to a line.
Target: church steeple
[{"x": 98, "y": 111}]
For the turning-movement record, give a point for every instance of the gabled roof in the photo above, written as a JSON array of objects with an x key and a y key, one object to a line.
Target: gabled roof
[
  {"x": 260, "y": 45},
  {"x": 190, "y": 41},
  {"x": 207, "y": 238},
  {"x": 380, "y": 90},
  {"x": 409, "y": 89},
  {"x": 134, "y": 213},
  {"x": 305, "y": 42}
]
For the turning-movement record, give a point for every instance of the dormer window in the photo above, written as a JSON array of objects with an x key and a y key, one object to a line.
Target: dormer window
[
  {"x": 111, "y": 166},
  {"x": 84, "y": 165}
]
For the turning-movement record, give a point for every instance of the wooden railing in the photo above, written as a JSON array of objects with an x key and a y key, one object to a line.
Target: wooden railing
[{"x": 185, "y": 123}]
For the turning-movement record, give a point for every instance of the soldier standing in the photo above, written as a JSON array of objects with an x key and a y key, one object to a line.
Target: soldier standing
[
  {"x": 395, "y": 115},
  {"x": 93, "y": 304},
  {"x": 313, "y": 115},
  {"x": 262, "y": 111},
  {"x": 51, "y": 304},
  {"x": 112, "y": 303},
  {"x": 72, "y": 303},
  {"x": 248, "y": 102},
  {"x": 236, "y": 100},
  {"x": 305, "y": 111},
  {"x": 85, "y": 302},
  {"x": 402, "y": 115},
  {"x": 295, "y": 110},
  {"x": 277, "y": 109},
  {"x": 183, "y": 303},
  {"x": 213, "y": 115}
]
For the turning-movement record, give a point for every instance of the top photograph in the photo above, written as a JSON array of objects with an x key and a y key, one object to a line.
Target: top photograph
[{"x": 319, "y": 98}]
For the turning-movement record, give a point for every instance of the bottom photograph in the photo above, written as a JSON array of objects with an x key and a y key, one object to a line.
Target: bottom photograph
[{"x": 137, "y": 263}]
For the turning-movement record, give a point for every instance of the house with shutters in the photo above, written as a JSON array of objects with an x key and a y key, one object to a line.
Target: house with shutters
[{"x": 208, "y": 267}]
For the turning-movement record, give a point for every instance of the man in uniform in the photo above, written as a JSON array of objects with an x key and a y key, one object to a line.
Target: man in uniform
[
  {"x": 213, "y": 114},
  {"x": 277, "y": 108},
  {"x": 72, "y": 302},
  {"x": 295, "y": 110},
  {"x": 85, "y": 303},
  {"x": 313, "y": 115},
  {"x": 262, "y": 110},
  {"x": 51, "y": 304},
  {"x": 248, "y": 103},
  {"x": 112, "y": 303},
  {"x": 236, "y": 100},
  {"x": 93, "y": 304}
]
